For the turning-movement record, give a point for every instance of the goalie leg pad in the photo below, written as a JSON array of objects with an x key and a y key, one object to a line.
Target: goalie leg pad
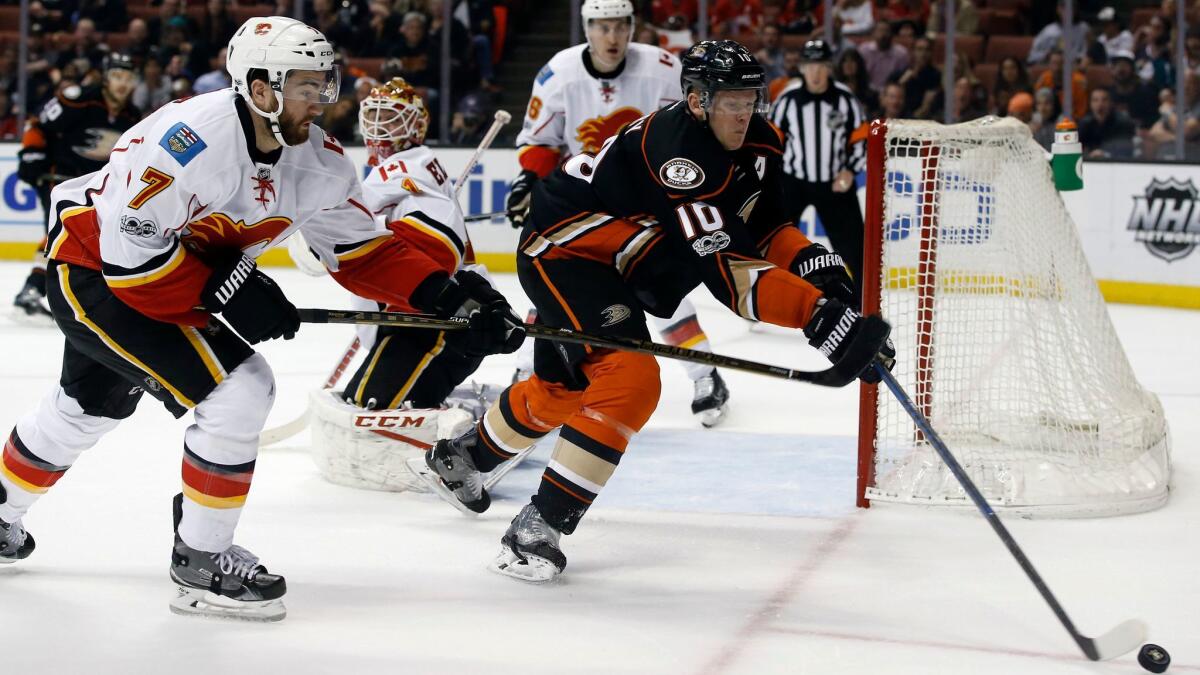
[{"x": 369, "y": 449}]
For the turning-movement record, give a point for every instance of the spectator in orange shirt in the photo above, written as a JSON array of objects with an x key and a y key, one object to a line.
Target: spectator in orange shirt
[{"x": 1052, "y": 79}]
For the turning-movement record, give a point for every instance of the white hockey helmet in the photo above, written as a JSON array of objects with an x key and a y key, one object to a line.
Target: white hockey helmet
[
  {"x": 392, "y": 118},
  {"x": 279, "y": 45},
  {"x": 606, "y": 9}
]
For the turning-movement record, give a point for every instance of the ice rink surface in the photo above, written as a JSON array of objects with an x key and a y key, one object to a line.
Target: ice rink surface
[{"x": 729, "y": 551}]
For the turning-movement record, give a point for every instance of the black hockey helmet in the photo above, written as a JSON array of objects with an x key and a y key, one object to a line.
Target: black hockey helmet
[
  {"x": 119, "y": 61},
  {"x": 715, "y": 65},
  {"x": 816, "y": 51}
]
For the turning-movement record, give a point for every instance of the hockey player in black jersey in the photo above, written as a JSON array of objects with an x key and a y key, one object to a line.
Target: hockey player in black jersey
[
  {"x": 691, "y": 194},
  {"x": 73, "y": 136}
]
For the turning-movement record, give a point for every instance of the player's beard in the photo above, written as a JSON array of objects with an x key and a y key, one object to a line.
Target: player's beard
[{"x": 293, "y": 129}]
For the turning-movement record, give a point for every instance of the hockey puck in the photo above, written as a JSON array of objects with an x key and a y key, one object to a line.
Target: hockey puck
[{"x": 1154, "y": 658}]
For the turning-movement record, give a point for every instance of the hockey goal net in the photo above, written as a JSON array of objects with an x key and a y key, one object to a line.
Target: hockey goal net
[{"x": 1002, "y": 337}]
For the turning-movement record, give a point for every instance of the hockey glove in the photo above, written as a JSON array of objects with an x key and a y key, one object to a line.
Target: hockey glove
[
  {"x": 824, "y": 269},
  {"x": 250, "y": 301},
  {"x": 494, "y": 328},
  {"x": 33, "y": 165},
  {"x": 832, "y": 330},
  {"x": 519, "y": 193}
]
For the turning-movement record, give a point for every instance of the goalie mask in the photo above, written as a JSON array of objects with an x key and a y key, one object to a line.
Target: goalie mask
[
  {"x": 296, "y": 59},
  {"x": 392, "y": 118}
]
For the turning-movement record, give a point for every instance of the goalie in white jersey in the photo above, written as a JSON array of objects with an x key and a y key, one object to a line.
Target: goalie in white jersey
[
  {"x": 581, "y": 97},
  {"x": 393, "y": 405},
  {"x": 145, "y": 253}
]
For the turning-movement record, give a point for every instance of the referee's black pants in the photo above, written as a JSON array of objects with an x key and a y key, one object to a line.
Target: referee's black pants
[{"x": 841, "y": 215}]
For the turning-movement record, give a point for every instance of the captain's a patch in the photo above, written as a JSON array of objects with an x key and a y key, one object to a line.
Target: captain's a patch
[{"x": 183, "y": 143}]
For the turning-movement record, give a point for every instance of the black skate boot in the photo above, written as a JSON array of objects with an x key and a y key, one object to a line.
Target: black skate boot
[
  {"x": 529, "y": 549},
  {"x": 15, "y": 543},
  {"x": 228, "y": 584},
  {"x": 28, "y": 307},
  {"x": 709, "y": 402},
  {"x": 450, "y": 472}
]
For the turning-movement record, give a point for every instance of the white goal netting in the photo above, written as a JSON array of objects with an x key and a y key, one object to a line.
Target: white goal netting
[{"x": 1002, "y": 336}]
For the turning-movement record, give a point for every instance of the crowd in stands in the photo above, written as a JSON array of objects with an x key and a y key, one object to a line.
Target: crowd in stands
[
  {"x": 1009, "y": 58},
  {"x": 179, "y": 49}
]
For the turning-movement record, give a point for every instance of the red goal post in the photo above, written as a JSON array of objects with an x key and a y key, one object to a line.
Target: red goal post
[{"x": 1001, "y": 334}]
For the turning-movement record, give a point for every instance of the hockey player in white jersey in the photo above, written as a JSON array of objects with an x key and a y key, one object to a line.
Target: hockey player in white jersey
[
  {"x": 393, "y": 405},
  {"x": 582, "y": 96},
  {"x": 147, "y": 252}
]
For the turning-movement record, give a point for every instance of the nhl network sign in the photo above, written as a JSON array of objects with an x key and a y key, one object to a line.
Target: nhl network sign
[{"x": 1167, "y": 218}]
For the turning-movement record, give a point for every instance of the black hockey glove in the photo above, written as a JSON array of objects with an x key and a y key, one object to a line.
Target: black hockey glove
[
  {"x": 250, "y": 301},
  {"x": 520, "y": 191},
  {"x": 825, "y": 269},
  {"x": 33, "y": 165},
  {"x": 832, "y": 330},
  {"x": 494, "y": 328}
]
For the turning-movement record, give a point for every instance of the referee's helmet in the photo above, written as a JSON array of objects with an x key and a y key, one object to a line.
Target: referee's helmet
[{"x": 816, "y": 51}]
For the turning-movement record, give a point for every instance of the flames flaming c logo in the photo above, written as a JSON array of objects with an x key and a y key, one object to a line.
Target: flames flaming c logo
[{"x": 592, "y": 133}]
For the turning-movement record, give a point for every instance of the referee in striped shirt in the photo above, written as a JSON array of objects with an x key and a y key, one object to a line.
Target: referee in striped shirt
[{"x": 817, "y": 117}]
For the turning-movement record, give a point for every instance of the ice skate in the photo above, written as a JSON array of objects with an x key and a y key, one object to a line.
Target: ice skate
[
  {"x": 710, "y": 400},
  {"x": 15, "y": 543},
  {"x": 529, "y": 549},
  {"x": 230, "y": 584},
  {"x": 450, "y": 472},
  {"x": 29, "y": 308}
]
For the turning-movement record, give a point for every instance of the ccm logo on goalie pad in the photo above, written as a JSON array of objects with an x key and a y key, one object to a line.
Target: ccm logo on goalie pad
[{"x": 387, "y": 421}]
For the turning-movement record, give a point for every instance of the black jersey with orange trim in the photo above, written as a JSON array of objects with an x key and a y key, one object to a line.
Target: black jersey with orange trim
[
  {"x": 76, "y": 131},
  {"x": 669, "y": 208}
]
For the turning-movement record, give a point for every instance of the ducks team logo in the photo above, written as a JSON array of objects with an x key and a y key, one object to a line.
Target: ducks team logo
[
  {"x": 1167, "y": 219},
  {"x": 680, "y": 173},
  {"x": 614, "y": 314}
]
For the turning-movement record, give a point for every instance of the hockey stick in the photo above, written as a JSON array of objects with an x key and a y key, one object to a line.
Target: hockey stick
[
  {"x": 286, "y": 431},
  {"x": 483, "y": 216},
  {"x": 838, "y": 375},
  {"x": 501, "y": 118},
  {"x": 1124, "y": 638}
]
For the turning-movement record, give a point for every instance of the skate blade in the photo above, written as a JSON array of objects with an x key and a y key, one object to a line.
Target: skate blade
[
  {"x": 197, "y": 602},
  {"x": 533, "y": 569},
  {"x": 431, "y": 480},
  {"x": 712, "y": 418}
]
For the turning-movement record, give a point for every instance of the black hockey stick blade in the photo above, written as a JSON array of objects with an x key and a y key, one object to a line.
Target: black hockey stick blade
[
  {"x": 483, "y": 216},
  {"x": 1120, "y": 640},
  {"x": 837, "y": 375}
]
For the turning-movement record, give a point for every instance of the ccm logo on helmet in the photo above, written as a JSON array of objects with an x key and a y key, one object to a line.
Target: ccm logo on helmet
[{"x": 387, "y": 421}]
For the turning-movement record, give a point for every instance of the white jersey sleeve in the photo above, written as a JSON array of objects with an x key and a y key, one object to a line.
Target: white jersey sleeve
[
  {"x": 412, "y": 190},
  {"x": 575, "y": 107}
]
